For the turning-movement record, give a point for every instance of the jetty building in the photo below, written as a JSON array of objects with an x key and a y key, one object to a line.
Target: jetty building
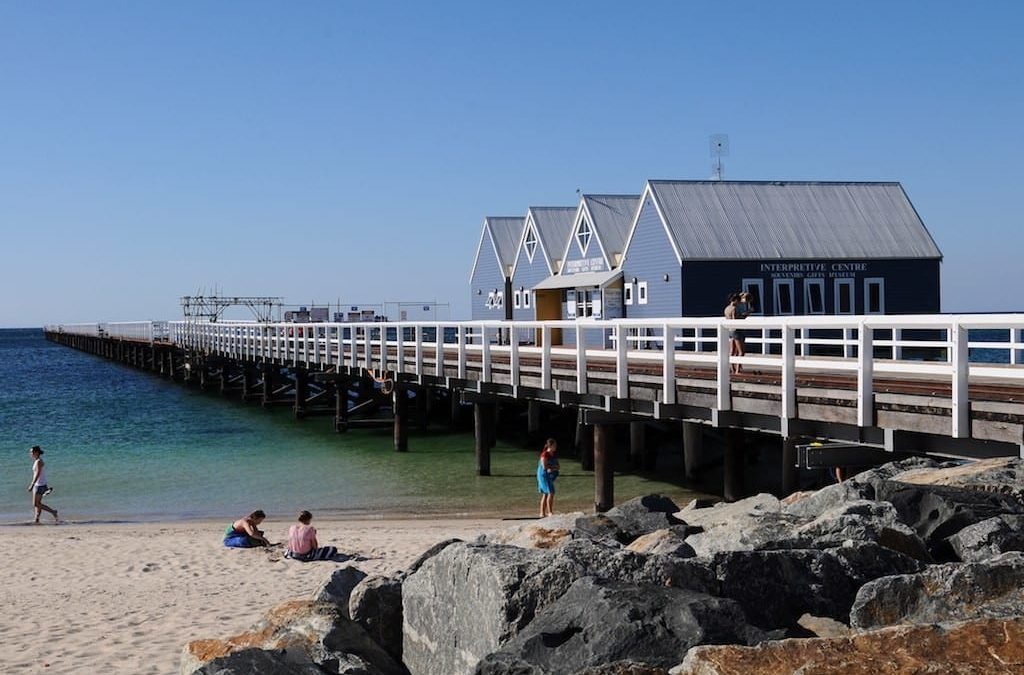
[{"x": 490, "y": 280}]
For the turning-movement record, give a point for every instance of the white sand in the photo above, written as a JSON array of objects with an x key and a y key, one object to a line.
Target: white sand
[{"x": 125, "y": 598}]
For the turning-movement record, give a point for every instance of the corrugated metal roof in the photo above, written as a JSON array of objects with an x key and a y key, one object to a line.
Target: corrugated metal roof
[
  {"x": 713, "y": 220},
  {"x": 613, "y": 216},
  {"x": 580, "y": 280},
  {"x": 506, "y": 232},
  {"x": 553, "y": 225}
]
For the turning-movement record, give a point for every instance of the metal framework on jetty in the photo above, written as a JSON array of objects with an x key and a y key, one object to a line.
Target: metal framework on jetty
[{"x": 881, "y": 384}]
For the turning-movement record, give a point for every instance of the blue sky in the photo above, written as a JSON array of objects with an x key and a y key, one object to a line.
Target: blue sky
[{"x": 351, "y": 150}]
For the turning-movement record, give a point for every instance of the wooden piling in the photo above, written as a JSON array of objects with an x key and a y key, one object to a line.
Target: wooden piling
[
  {"x": 533, "y": 410},
  {"x": 341, "y": 406},
  {"x": 400, "y": 405},
  {"x": 790, "y": 477},
  {"x": 637, "y": 444},
  {"x": 483, "y": 421},
  {"x": 734, "y": 466},
  {"x": 585, "y": 444},
  {"x": 301, "y": 392},
  {"x": 693, "y": 442},
  {"x": 604, "y": 470}
]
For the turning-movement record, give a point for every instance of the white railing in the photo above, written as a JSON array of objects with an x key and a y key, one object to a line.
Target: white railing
[{"x": 934, "y": 347}]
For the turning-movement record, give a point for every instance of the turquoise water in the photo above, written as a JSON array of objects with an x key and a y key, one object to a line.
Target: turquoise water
[{"x": 126, "y": 445}]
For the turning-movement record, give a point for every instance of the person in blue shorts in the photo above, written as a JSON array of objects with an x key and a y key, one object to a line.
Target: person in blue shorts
[
  {"x": 547, "y": 472},
  {"x": 245, "y": 532}
]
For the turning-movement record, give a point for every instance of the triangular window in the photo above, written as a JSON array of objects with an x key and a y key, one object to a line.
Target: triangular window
[
  {"x": 530, "y": 243},
  {"x": 583, "y": 236}
]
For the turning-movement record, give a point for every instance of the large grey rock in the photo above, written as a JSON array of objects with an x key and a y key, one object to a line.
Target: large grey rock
[
  {"x": 777, "y": 587},
  {"x": 376, "y": 605},
  {"x": 858, "y": 521},
  {"x": 641, "y": 515},
  {"x": 1003, "y": 475},
  {"x": 338, "y": 587},
  {"x": 430, "y": 553},
  {"x": 696, "y": 514},
  {"x": 550, "y": 532},
  {"x": 746, "y": 525},
  {"x": 600, "y": 528},
  {"x": 468, "y": 600},
  {"x": 257, "y": 662},
  {"x": 665, "y": 542},
  {"x": 944, "y": 593},
  {"x": 597, "y": 623},
  {"x": 989, "y": 538}
]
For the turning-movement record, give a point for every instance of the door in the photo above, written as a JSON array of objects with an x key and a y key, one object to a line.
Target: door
[{"x": 548, "y": 307}]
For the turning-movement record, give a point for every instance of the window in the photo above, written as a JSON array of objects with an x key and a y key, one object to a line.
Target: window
[
  {"x": 627, "y": 293},
  {"x": 489, "y": 303},
  {"x": 583, "y": 236},
  {"x": 516, "y": 299},
  {"x": 784, "y": 297},
  {"x": 526, "y": 299},
  {"x": 844, "y": 296},
  {"x": 814, "y": 296},
  {"x": 641, "y": 293},
  {"x": 874, "y": 296},
  {"x": 585, "y": 302},
  {"x": 569, "y": 298},
  {"x": 530, "y": 243},
  {"x": 756, "y": 289}
]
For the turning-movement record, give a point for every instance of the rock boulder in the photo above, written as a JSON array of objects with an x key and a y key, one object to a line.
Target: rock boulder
[
  {"x": 338, "y": 587},
  {"x": 989, "y": 538},
  {"x": 376, "y": 605}
]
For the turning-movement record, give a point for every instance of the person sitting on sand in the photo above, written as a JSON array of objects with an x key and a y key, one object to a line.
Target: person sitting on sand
[
  {"x": 302, "y": 543},
  {"x": 547, "y": 472},
  {"x": 38, "y": 486},
  {"x": 245, "y": 532}
]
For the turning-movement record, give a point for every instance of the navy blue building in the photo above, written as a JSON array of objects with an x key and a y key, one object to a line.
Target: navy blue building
[
  {"x": 490, "y": 280},
  {"x": 798, "y": 247}
]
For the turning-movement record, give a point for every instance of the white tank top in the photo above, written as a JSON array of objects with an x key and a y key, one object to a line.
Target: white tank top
[{"x": 42, "y": 473}]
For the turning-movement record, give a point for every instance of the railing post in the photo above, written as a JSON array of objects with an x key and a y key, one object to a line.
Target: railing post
[
  {"x": 865, "y": 376},
  {"x": 400, "y": 350},
  {"x": 485, "y": 357},
  {"x": 847, "y": 339},
  {"x": 961, "y": 372},
  {"x": 513, "y": 358},
  {"x": 621, "y": 364},
  {"x": 581, "y": 360},
  {"x": 368, "y": 347},
  {"x": 668, "y": 367},
  {"x": 724, "y": 398},
  {"x": 418, "y": 335},
  {"x": 545, "y": 357},
  {"x": 439, "y": 351},
  {"x": 462, "y": 352},
  {"x": 1016, "y": 354},
  {"x": 897, "y": 348},
  {"x": 788, "y": 411}
]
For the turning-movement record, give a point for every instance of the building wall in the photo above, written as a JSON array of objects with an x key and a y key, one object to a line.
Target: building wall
[
  {"x": 911, "y": 286},
  {"x": 527, "y": 275},
  {"x": 575, "y": 261},
  {"x": 649, "y": 258},
  {"x": 487, "y": 276}
]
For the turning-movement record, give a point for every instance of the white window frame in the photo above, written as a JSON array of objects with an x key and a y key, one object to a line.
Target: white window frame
[
  {"x": 526, "y": 299},
  {"x": 528, "y": 239},
  {"x": 579, "y": 234},
  {"x": 627, "y": 293},
  {"x": 776, "y": 285},
  {"x": 853, "y": 296},
  {"x": 747, "y": 284},
  {"x": 820, "y": 283},
  {"x": 881, "y": 294},
  {"x": 515, "y": 299},
  {"x": 641, "y": 293}
]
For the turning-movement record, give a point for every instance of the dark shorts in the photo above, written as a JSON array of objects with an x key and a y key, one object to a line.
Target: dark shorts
[{"x": 40, "y": 489}]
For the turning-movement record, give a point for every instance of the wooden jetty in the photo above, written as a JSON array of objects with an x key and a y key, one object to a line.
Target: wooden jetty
[{"x": 874, "y": 385}]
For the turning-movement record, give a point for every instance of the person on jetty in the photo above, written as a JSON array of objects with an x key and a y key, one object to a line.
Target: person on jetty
[
  {"x": 302, "y": 543},
  {"x": 38, "y": 486},
  {"x": 245, "y": 532},
  {"x": 734, "y": 310},
  {"x": 547, "y": 472}
]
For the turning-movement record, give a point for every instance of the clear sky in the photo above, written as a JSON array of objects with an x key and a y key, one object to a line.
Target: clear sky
[{"x": 325, "y": 150}]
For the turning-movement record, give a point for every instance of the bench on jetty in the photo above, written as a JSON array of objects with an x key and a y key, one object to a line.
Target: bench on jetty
[{"x": 945, "y": 385}]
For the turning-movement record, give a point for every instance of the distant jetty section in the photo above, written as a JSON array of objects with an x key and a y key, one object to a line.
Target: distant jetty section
[{"x": 837, "y": 391}]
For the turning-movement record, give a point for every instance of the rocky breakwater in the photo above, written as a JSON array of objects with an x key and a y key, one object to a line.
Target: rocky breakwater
[{"x": 910, "y": 567}]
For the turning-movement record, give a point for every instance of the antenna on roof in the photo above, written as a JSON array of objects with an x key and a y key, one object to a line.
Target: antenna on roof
[{"x": 719, "y": 144}]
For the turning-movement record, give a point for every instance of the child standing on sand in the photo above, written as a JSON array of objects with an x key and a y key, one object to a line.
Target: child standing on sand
[
  {"x": 38, "y": 486},
  {"x": 547, "y": 472}
]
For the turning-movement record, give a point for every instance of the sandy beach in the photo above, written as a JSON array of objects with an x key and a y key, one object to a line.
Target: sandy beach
[{"x": 124, "y": 598}]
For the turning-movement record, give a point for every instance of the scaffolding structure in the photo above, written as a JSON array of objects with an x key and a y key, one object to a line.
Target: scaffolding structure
[{"x": 211, "y": 307}]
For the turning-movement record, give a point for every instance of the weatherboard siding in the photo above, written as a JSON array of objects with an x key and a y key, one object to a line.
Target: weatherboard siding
[
  {"x": 487, "y": 276},
  {"x": 527, "y": 275},
  {"x": 649, "y": 258},
  {"x": 574, "y": 256}
]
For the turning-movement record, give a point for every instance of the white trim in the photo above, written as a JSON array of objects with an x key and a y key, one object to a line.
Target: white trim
[
  {"x": 776, "y": 285},
  {"x": 515, "y": 299},
  {"x": 648, "y": 191},
  {"x": 627, "y": 293},
  {"x": 748, "y": 283},
  {"x": 583, "y": 212},
  {"x": 526, "y": 298},
  {"x": 852, "y": 285},
  {"x": 583, "y": 243},
  {"x": 881, "y": 294},
  {"x": 527, "y": 222},
  {"x": 808, "y": 305},
  {"x": 530, "y": 229},
  {"x": 641, "y": 293}
]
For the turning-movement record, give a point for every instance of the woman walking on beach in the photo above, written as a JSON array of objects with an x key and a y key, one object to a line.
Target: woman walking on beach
[
  {"x": 547, "y": 472},
  {"x": 302, "y": 543},
  {"x": 38, "y": 486},
  {"x": 245, "y": 532}
]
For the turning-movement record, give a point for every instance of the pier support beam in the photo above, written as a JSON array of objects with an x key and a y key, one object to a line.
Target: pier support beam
[
  {"x": 790, "y": 477},
  {"x": 693, "y": 442},
  {"x": 341, "y": 406},
  {"x": 637, "y": 445},
  {"x": 400, "y": 405},
  {"x": 301, "y": 392},
  {"x": 269, "y": 370},
  {"x": 422, "y": 402},
  {"x": 483, "y": 427},
  {"x": 248, "y": 382},
  {"x": 604, "y": 470},
  {"x": 533, "y": 428},
  {"x": 734, "y": 465}
]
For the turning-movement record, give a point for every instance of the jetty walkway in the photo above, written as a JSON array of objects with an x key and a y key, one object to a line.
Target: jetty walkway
[{"x": 943, "y": 385}]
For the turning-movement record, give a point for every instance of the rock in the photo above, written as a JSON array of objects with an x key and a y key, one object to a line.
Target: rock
[
  {"x": 696, "y": 514},
  {"x": 943, "y": 593},
  {"x": 664, "y": 542},
  {"x": 600, "y": 528},
  {"x": 858, "y": 521},
  {"x": 747, "y": 525},
  {"x": 376, "y": 605},
  {"x": 623, "y": 668},
  {"x": 777, "y": 587},
  {"x": 642, "y": 515},
  {"x": 338, "y": 587},
  {"x": 937, "y": 512},
  {"x": 597, "y": 623},
  {"x": 430, "y": 553},
  {"x": 991, "y": 646},
  {"x": 822, "y": 626},
  {"x": 1003, "y": 475},
  {"x": 550, "y": 532},
  {"x": 989, "y": 538},
  {"x": 256, "y": 662},
  {"x": 302, "y": 632}
]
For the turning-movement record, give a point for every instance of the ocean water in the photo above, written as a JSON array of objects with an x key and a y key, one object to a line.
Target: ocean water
[{"x": 126, "y": 445}]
